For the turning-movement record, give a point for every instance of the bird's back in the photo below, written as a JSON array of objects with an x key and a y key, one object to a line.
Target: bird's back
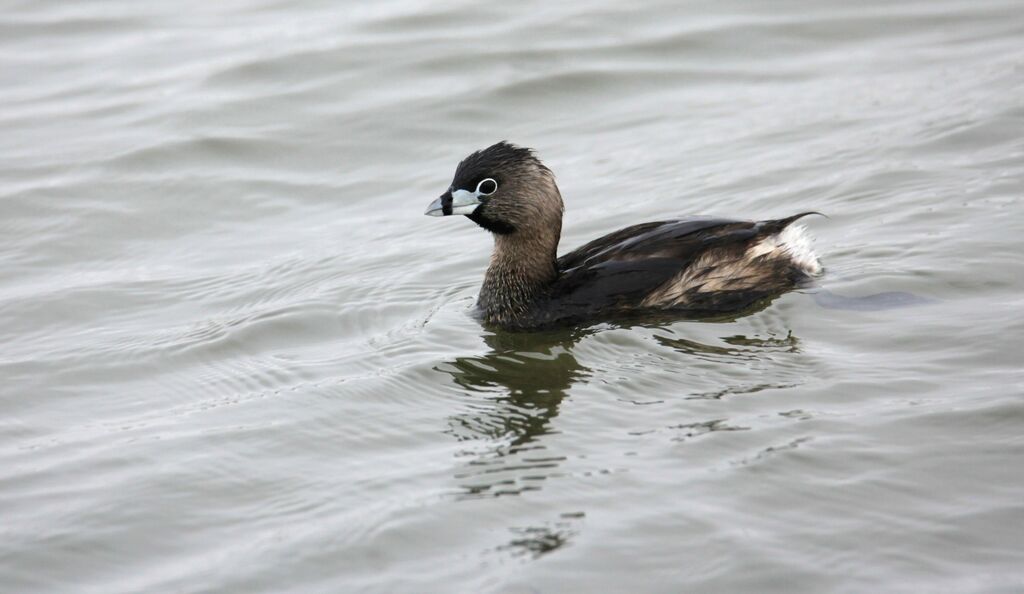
[{"x": 696, "y": 267}]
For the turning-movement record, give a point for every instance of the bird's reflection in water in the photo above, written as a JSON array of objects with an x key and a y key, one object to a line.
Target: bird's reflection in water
[
  {"x": 735, "y": 346},
  {"x": 515, "y": 391},
  {"x": 513, "y": 394},
  {"x": 757, "y": 354}
]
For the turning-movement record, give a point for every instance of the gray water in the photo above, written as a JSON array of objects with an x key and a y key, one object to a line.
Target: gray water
[{"x": 236, "y": 357}]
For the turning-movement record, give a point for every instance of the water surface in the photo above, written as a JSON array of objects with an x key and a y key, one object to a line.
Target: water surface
[{"x": 237, "y": 358}]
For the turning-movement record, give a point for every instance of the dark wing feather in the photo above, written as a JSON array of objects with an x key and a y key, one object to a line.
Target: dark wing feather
[
  {"x": 616, "y": 271},
  {"x": 638, "y": 241}
]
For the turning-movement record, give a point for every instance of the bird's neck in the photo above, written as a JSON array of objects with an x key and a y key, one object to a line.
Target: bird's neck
[{"x": 523, "y": 266}]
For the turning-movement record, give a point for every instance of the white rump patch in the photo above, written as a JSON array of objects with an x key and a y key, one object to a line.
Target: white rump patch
[
  {"x": 794, "y": 243},
  {"x": 726, "y": 269}
]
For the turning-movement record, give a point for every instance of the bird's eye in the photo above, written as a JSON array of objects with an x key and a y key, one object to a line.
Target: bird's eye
[{"x": 487, "y": 187}]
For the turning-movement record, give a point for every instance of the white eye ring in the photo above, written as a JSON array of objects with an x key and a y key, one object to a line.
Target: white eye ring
[{"x": 479, "y": 187}]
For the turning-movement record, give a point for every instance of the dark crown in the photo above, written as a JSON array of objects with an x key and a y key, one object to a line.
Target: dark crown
[{"x": 493, "y": 161}]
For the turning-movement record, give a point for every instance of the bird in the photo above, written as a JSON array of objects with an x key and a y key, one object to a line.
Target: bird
[{"x": 697, "y": 267}]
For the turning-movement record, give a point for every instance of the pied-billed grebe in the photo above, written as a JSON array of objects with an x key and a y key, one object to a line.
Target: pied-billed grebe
[{"x": 690, "y": 268}]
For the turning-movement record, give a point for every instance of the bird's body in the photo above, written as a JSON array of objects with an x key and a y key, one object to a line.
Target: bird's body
[{"x": 698, "y": 267}]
